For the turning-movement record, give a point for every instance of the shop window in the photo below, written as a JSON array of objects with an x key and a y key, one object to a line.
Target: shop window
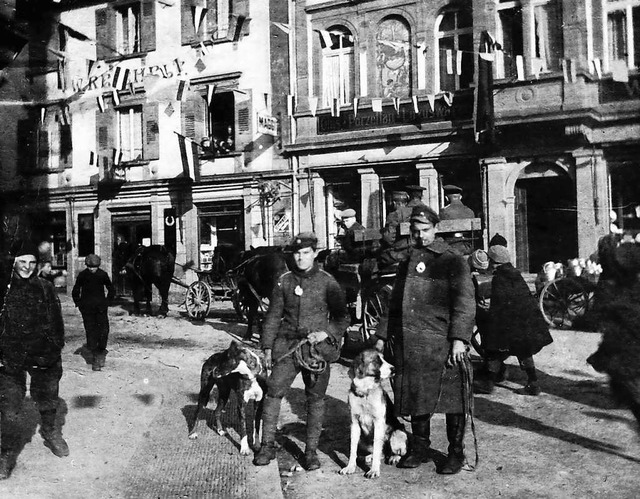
[
  {"x": 86, "y": 235},
  {"x": 337, "y": 66},
  {"x": 125, "y": 29},
  {"x": 623, "y": 32},
  {"x": 204, "y": 20},
  {"x": 393, "y": 61},
  {"x": 544, "y": 29},
  {"x": 454, "y": 30},
  {"x": 130, "y": 133}
]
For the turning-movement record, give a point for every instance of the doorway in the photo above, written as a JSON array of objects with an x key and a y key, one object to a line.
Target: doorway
[
  {"x": 545, "y": 220},
  {"x": 130, "y": 230}
]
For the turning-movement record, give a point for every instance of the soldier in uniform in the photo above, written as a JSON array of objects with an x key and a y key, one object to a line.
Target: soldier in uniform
[
  {"x": 455, "y": 209},
  {"x": 415, "y": 195},
  {"x": 396, "y": 235},
  {"x": 350, "y": 245}
]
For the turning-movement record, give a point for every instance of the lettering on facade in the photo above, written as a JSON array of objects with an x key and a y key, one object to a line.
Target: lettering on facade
[
  {"x": 614, "y": 91},
  {"x": 406, "y": 115},
  {"x": 268, "y": 125}
]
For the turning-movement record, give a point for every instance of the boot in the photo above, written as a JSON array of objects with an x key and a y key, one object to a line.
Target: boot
[
  {"x": 420, "y": 443},
  {"x": 532, "y": 387},
  {"x": 7, "y": 463},
  {"x": 315, "y": 416},
  {"x": 455, "y": 435},
  {"x": 51, "y": 434},
  {"x": 270, "y": 414},
  {"x": 10, "y": 444},
  {"x": 485, "y": 384}
]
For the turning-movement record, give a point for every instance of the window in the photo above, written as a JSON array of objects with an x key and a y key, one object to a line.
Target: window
[
  {"x": 393, "y": 60},
  {"x": 221, "y": 122},
  {"x": 128, "y": 28},
  {"x": 623, "y": 31},
  {"x": 337, "y": 66},
  {"x": 86, "y": 237},
  {"x": 544, "y": 52},
  {"x": 130, "y": 133},
  {"x": 454, "y": 30},
  {"x": 204, "y": 20}
]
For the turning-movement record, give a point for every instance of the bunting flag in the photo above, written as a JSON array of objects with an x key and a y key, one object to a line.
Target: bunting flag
[
  {"x": 92, "y": 157},
  {"x": 101, "y": 104},
  {"x": 284, "y": 27},
  {"x": 396, "y": 104},
  {"x": 291, "y": 105},
  {"x": 335, "y": 107},
  {"x": 569, "y": 70},
  {"x": 313, "y": 105},
  {"x": 198, "y": 15},
  {"x": 448, "y": 98},
  {"x": 211, "y": 89},
  {"x": 266, "y": 100},
  {"x": 376, "y": 105},
  {"x": 183, "y": 84},
  {"x": 432, "y": 101},
  {"x": 459, "y": 62},
  {"x": 356, "y": 100},
  {"x": 205, "y": 49},
  {"x": 90, "y": 65},
  {"x": 169, "y": 110},
  {"x": 597, "y": 67},
  {"x": 116, "y": 97},
  {"x": 235, "y": 27},
  {"x": 200, "y": 65},
  {"x": 483, "y": 111},
  {"x": 65, "y": 118},
  {"x": 414, "y": 99},
  {"x": 520, "y": 67},
  {"x": 326, "y": 38},
  {"x": 117, "y": 156},
  {"x": 619, "y": 70},
  {"x": 189, "y": 156},
  {"x": 120, "y": 78},
  {"x": 43, "y": 114},
  {"x": 449, "y": 59},
  {"x": 73, "y": 33}
]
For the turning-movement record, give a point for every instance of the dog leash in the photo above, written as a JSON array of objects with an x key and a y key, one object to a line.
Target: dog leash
[
  {"x": 317, "y": 364},
  {"x": 467, "y": 402}
]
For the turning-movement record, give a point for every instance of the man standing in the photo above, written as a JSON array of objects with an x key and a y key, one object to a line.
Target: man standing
[
  {"x": 415, "y": 196},
  {"x": 396, "y": 234},
  {"x": 455, "y": 209},
  {"x": 88, "y": 295},
  {"x": 352, "y": 247},
  {"x": 307, "y": 311},
  {"x": 430, "y": 322},
  {"x": 31, "y": 342}
]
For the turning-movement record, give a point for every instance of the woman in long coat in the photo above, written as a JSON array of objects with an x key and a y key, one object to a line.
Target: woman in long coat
[
  {"x": 430, "y": 321},
  {"x": 516, "y": 326}
]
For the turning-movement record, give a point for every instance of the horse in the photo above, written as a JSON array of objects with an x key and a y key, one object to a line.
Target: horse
[
  {"x": 148, "y": 266},
  {"x": 258, "y": 275}
]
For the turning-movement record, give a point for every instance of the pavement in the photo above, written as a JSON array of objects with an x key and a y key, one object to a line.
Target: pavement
[{"x": 127, "y": 425}]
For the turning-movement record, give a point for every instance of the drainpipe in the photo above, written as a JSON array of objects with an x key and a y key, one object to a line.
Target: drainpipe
[{"x": 293, "y": 160}]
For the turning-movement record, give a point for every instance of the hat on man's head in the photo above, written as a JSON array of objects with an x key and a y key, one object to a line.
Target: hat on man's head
[
  {"x": 498, "y": 240},
  {"x": 479, "y": 259},
  {"x": 425, "y": 215},
  {"x": 350, "y": 212},
  {"x": 399, "y": 196},
  {"x": 499, "y": 254},
  {"x": 92, "y": 260},
  {"x": 25, "y": 247},
  {"x": 415, "y": 188},
  {"x": 452, "y": 189},
  {"x": 304, "y": 240}
]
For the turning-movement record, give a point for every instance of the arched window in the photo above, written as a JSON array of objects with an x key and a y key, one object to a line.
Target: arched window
[
  {"x": 337, "y": 65},
  {"x": 455, "y": 55},
  {"x": 393, "y": 58}
]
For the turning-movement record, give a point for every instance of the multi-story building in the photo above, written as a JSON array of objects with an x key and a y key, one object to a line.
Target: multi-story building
[
  {"x": 387, "y": 93},
  {"x": 143, "y": 121}
]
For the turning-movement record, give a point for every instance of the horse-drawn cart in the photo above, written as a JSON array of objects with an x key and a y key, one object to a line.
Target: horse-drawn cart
[{"x": 208, "y": 288}]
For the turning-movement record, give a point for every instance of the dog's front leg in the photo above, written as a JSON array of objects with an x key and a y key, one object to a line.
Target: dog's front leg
[
  {"x": 378, "y": 442},
  {"x": 245, "y": 450},
  {"x": 353, "y": 451}
]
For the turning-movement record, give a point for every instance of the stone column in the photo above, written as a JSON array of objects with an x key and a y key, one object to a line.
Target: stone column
[
  {"x": 428, "y": 176},
  {"x": 498, "y": 203},
  {"x": 592, "y": 199},
  {"x": 247, "y": 218},
  {"x": 369, "y": 198}
]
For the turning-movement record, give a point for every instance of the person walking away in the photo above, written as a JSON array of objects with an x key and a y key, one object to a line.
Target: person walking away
[
  {"x": 89, "y": 296},
  {"x": 430, "y": 322},
  {"x": 307, "y": 314},
  {"x": 515, "y": 325},
  {"x": 31, "y": 341}
]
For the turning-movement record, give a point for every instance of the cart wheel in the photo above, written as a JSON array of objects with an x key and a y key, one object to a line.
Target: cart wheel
[
  {"x": 375, "y": 306},
  {"x": 198, "y": 300},
  {"x": 562, "y": 301}
]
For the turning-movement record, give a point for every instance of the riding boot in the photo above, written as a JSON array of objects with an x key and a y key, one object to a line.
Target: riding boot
[
  {"x": 455, "y": 435},
  {"x": 270, "y": 413},
  {"x": 51, "y": 434},
  {"x": 315, "y": 417},
  {"x": 10, "y": 446},
  {"x": 420, "y": 443}
]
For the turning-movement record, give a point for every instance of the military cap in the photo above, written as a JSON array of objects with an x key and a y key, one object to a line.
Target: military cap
[
  {"x": 499, "y": 254},
  {"x": 350, "y": 212},
  {"x": 498, "y": 240},
  {"x": 425, "y": 215},
  {"x": 399, "y": 196},
  {"x": 304, "y": 240},
  {"x": 25, "y": 247},
  {"x": 479, "y": 259},
  {"x": 92, "y": 260},
  {"x": 452, "y": 189},
  {"x": 415, "y": 188}
]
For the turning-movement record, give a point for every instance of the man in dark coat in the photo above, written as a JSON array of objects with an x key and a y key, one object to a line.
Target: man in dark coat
[
  {"x": 353, "y": 247},
  {"x": 88, "y": 295},
  {"x": 31, "y": 342},
  {"x": 415, "y": 196},
  {"x": 455, "y": 209},
  {"x": 515, "y": 327},
  {"x": 307, "y": 309},
  {"x": 430, "y": 322},
  {"x": 396, "y": 233}
]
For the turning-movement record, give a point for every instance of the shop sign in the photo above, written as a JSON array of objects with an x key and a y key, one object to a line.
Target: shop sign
[{"x": 268, "y": 125}]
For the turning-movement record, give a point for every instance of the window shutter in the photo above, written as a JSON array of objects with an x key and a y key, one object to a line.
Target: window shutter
[
  {"x": 151, "y": 132},
  {"x": 105, "y": 33},
  {"x": 66, "y": 144},
  {"x": 188, "y": 31},
  {"x": 241, "y": 8},
  {"x": 193, "y": 117},
  {"x": 26, "y": 144},
  {"x": 43, "y": 146},
  {"x": 244, "y": 121},
  {"x": 148, "y": 25},
  {"x": 105, "y": 131}
]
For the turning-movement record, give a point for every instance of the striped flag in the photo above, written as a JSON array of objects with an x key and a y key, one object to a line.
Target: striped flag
[
  {"x": 101, "y": 104},
  {"x": 65, "y": 118},
  {"x": 291, "y": 105},
  {"x": 116, "y": 97},
  {"x": 597, "y": 67},
  {"x": 92, "y": 157},
  {"x": 211, "y": 89},
  {"x": 335, "y": 107},
  {"x": 189, "y": 156},
  {"x": 117, "y": 156},
  {"x": 182, "y": 89},
  {"x": 198, "y": 16},
  {"x": 120, "y": 78}
]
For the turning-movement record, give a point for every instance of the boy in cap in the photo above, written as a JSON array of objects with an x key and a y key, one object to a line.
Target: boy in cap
[
  {"x": 31, "y": 342},
  {"x": 455, "y": 209},
  {"x": 88, "y": 295},
  {"x": 307, "y": 310}
]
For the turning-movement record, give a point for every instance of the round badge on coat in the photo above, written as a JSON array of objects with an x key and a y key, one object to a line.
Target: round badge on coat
[
  {"x": 298, "y": 291},
  {"x": 420, "y": 268}
]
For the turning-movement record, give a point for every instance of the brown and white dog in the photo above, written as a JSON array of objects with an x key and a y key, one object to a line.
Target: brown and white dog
[
  {"x": 372, "y": 414},
  {"x": 239, "y": 369}
]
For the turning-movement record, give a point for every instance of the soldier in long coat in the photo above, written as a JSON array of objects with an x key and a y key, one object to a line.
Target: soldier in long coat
[{"x": 430, "y": 322}]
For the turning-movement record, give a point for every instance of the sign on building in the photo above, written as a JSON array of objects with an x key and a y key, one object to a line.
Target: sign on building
[{"x": 268, "y": 125}]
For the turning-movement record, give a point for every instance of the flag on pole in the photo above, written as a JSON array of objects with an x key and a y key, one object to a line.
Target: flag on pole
[
  {"x": 313, "y": 105},
  {"x": 183, "y": 84},
  {"x": 101, "y": 104},
  {"x": 376, "y": 105},
  {"x": 449, "y": 59},
  {"x": 189, "y": 156},
  {"x": 116, "y": 97},
  {"x": 355, "y": 106},
  {"x": 291, "y": 105},
  {"x": 414, "y": 99}
]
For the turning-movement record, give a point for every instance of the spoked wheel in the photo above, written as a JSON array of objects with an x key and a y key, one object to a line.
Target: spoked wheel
[
  {"x": 239, "y": 304},
  {"x": 375, "y": 306},
  {"x": 198, "y": 300},
  {"x": 562, "y": 301}
]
